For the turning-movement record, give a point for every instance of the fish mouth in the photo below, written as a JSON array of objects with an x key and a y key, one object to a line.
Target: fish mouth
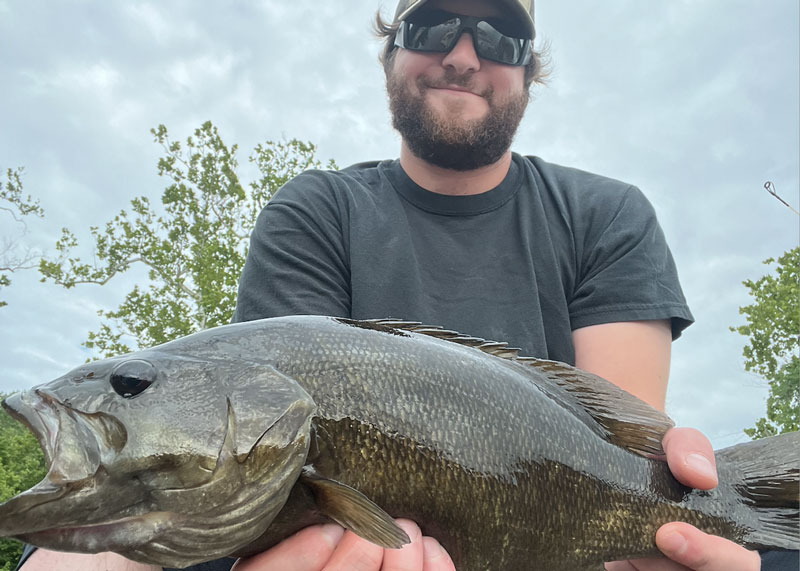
[
  {"x": 38, "y": 416},
  {"x": 75, "y": 444}
]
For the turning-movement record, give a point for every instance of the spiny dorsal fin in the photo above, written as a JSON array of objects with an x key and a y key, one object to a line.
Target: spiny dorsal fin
[
  {"x": 622, "y": 418},
  {"x": 495, "y": 348}
]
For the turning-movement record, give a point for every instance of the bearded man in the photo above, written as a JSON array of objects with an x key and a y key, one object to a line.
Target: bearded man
[{"x": 463, "y": 233}]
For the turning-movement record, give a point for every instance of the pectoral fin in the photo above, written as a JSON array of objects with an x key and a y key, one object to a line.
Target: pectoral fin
[{"x": 353, "y": 510}]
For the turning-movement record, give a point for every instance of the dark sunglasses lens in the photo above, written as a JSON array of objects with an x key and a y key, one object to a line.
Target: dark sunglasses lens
[
  {"x": 432, "y": 38},
  {"x": 438, "y": 31},
  {"x": 492, "y": 44}
]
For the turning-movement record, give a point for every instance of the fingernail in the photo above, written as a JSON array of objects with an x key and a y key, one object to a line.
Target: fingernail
[
  {"x": 432, "y": 549},
  {"x": 673, "y": 542},
  {"x": 332, "y": 533},
  {"x": 702, "y": 466},
  {"x": 412, "y": 530}
]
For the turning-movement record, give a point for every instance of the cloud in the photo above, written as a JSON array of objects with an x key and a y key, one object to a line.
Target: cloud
[
  {"x": 93, "y": 80},
  {"x": 159, "y": 27},
  {"x": 698, "y": 116},
  {"x": 196, "y": 72}
]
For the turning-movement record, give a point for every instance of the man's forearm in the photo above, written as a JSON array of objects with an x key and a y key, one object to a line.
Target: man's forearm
[{"x": 44, "y": 560}]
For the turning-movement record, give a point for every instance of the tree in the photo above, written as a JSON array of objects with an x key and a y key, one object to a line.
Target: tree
[
  {"x": 773, "y": 325},
  {"x": 194, "y": 248},
  {"x": 22, "y": 465},
  {"x": 13, "y": 204}
]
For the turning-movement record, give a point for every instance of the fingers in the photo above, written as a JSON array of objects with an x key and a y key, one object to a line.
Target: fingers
[
  {"x": 699, "y": 551},
  {"x": 435, "y": 558},
  {"x": 689, "y": 549},
  {"x": 659, "y": 564},
  {"x": 410, "y": 556},
  {"x": 355, "y": 554},
  {"x": 691, "y": 458},
  {"x": 307, "y": 550},
  {"x": 422, "y": 554},
  {"x": 330, "y": 548},
  {"x": 619, "y": 566}
]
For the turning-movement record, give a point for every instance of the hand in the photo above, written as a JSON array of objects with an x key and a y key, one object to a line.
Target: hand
[
  {"x": 330, "y": 548},
  {"x": 691, "y": 459}
]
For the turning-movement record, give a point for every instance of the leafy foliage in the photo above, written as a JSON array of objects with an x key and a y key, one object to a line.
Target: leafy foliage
[
  {"x": 194, "y": 249},
  {"x": 22, "y": 465},
  {"x": 773, "y": 325},
  {"x": 15, "y": 205}
]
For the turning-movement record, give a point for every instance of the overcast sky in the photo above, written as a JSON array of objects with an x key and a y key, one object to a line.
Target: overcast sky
[{"x": 694, "y": 101}]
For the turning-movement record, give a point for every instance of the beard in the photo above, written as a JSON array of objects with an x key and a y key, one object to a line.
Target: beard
[{"x": 454, "y": 144}]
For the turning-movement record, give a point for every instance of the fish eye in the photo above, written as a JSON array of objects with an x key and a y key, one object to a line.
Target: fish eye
[{"x": 131, "y": 378}]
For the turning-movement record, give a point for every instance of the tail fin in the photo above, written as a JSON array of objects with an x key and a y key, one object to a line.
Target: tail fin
[{"x": 770, "y": 470}]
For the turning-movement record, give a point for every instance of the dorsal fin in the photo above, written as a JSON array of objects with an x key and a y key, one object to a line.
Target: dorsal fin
[
  {"x": 626, "y": 420},
  {"x": 621, "y": 417},
  {"x": 496, "y": 348}
]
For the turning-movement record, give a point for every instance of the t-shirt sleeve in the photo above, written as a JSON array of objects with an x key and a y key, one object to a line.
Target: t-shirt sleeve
[
  {"x": 297, "y": 260},
  {"x": 625, "y": 270}
]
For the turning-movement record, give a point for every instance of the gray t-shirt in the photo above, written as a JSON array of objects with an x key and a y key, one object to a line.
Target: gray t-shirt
[{"x": 549, "y": 250}]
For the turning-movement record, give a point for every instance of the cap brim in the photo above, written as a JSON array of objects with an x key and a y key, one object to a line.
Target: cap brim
[{"x": 407, "y": 7}]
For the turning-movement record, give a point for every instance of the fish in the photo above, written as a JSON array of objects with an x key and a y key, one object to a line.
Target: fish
[{"x": 226, "y": 441}]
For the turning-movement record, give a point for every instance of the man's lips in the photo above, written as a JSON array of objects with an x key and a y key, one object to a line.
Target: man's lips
[{"x": 455, "y": 89}]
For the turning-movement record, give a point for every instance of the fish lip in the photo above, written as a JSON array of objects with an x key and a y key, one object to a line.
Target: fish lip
[
  {"x": 144, "y": 526},
  {"x": 39, "y": 417},
  {"x": 45, "y": 416}
]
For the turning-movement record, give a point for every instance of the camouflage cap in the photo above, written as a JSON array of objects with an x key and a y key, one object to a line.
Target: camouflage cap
[{"x": 522, "y": 9}]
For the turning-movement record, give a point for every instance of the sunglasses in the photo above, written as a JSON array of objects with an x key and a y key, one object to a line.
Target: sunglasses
[{"x": 438, "y": 31}]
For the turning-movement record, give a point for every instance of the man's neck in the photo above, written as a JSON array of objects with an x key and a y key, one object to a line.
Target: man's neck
[{"x": 455, "y": 183}]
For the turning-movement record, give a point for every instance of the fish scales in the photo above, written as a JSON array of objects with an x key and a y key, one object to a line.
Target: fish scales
[
  {"x": 510, "y": 463},
  {"x": 485, "y": 455}
]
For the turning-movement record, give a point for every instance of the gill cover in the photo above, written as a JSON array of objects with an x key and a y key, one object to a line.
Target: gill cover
[{"x": 262, "y": 452}]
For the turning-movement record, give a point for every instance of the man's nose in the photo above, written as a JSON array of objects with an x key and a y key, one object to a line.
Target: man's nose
[{"x": 462, "y": 57}]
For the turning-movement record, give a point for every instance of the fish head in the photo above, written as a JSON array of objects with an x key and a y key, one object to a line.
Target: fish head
[{"x": 164, "y": 458}]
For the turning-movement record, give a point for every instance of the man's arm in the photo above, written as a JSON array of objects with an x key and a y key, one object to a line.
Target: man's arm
[
  {"x": 635, "y": 356},
  {"x": 44, "y": 560}
]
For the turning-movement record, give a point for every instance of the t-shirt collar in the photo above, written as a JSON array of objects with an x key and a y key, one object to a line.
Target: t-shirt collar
[{"x": 445, "y": 204}]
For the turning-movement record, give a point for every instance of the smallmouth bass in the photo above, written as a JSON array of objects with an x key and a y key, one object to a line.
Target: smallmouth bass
[{"x": 226, "y": 441}]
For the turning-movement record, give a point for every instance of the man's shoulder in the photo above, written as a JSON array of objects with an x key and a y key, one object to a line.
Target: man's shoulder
[
  {"x": 584, "y": 197},
  {"x": 566, "y": 179},
  {"x": 354, "y": 179}
]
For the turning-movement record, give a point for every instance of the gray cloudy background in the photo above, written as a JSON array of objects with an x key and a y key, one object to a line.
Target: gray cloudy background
[{"x": 694, "y": 101}]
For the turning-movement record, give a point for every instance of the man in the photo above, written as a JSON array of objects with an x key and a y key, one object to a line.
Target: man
[{"x": 462, "y": 233}]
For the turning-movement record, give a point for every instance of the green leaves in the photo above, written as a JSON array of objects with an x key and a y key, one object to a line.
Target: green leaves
[
  {"x": 773, "y": 326},
  {"x": 11, "y": 194},
  {"x": 14, "y": 206},
  {"x": 193, "y": 244}
]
